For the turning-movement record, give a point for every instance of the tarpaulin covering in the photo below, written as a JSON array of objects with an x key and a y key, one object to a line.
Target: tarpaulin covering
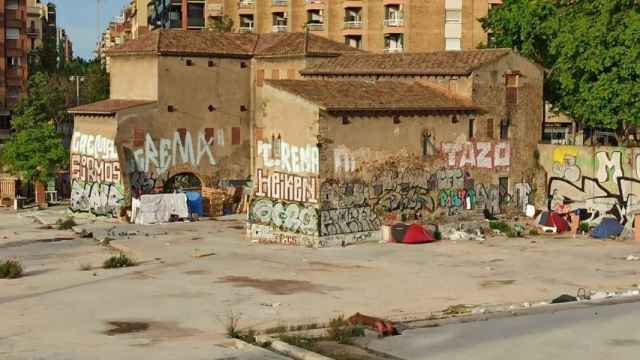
[
  {"x": 608, "y": 227},
  {"x": 158, "y": 208},
  {"x": 559, "y": 222},
  {"x": 195, "y": 203}
]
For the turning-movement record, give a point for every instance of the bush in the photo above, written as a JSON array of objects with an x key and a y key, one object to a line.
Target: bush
[
  {"x": 437, "y": 234},
  {"x": 67, "y": 224},
  {"x": 10, "y": 269},
  {"x": 85, "y": 267},
  {"x": 584, "y": 227},
  {"x": 118, "y": 261},
  {"x": 342, "y": 332},
  {"x": 500, "y": 226}
]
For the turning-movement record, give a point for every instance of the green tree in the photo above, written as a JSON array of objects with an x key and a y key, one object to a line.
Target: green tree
[
  {"x": 35, "y": 153},
  {"x": 220, "y": 24},
  {"x": 45, "y": 103},
  {"x": 590, "y": 48}
]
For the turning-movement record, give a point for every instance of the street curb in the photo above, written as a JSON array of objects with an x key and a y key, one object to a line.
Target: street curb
[{"x": 239, "y": 344}]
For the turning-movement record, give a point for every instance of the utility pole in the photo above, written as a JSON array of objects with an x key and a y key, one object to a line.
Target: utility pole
[{"x": 78, "y": 79}]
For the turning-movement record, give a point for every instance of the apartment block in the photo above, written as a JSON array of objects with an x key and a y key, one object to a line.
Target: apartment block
[
  {"x": 13, "y": 52},
  {"x": 373, "y": 25}
]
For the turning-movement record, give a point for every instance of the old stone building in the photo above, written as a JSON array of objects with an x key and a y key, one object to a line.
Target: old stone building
[
  {"x": 182, "y": 103},
  {"x": 363, "y": 140}
]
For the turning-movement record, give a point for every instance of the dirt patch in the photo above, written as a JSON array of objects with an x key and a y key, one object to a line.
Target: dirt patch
[
  {"x": 197, "y": 272},
  {"x": 152, "y": 331},
  {"x": 277, "y": 286},
  {"x": 323, "y": 266},
  {"x": 126, "y": 327},
  {"x": 496, "y": 283}
]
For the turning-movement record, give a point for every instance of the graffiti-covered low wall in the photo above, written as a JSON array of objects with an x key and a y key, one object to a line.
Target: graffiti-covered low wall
[{"x": 605, "y": 181}]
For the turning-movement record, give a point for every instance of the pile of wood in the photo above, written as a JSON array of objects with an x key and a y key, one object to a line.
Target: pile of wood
[{"x": 213, "y": 201}]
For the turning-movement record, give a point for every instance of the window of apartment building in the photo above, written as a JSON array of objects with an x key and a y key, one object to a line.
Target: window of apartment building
[
  {"x": 13, "y": 61},
  {"x": 12, "y": 34},
  {"x": 175, "y": 16},
  {"x": 353, "y": 41},
  {"x": 12, "y": 4},
  {"x": 5, "y": 123},
  {"x": 315, "y": 19},
  {"x": 393, "y": 43},
  {"x": 195, "y": 14},
  {"x": 453, "y": 25},
  {"x": 13, "y": 92},
  {"x": 393, "y": 15},
  {"x": 352, "y": 18},
  {"x": 279, "y": 21},
  {"x": 246, "y": 23}
]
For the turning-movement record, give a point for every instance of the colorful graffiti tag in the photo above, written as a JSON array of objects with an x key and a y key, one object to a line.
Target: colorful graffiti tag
[{"x": 285, "y": 216}]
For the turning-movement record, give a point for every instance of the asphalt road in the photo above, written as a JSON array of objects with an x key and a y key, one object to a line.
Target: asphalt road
[{"x": 599, "y": 332}]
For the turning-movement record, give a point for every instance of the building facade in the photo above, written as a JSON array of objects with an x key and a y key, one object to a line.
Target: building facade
[
  {"x": 373, "y": 25},
  {"x": 13, "y": 59}
]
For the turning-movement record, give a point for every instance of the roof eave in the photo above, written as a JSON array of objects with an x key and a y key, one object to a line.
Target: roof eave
[{"x": 390, "y": 73}]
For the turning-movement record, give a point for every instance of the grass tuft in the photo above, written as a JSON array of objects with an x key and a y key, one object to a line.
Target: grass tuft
[
  {"x": 10, "y": 269},
  {"x": 342, "y": 332},
  {"x": 118, "y": 261},
  {"x": 66, "y": 224}
]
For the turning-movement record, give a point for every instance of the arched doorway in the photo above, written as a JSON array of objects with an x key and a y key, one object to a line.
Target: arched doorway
[{"x": 183, "y": 182}]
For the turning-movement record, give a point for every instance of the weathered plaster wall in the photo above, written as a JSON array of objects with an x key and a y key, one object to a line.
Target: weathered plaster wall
[
  {"x": 96, "y": 171},
  {"x": 134, "y": 77},
  {"x": 603, "y": 180}
]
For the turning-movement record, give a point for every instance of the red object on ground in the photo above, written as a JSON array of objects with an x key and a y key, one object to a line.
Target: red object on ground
[
  {"x": 560, "y": 223},
  {"x": 416, "y": 234}
]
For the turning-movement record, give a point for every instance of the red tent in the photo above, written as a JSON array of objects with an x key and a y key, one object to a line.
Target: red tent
[{"x": 416, "y": 234}]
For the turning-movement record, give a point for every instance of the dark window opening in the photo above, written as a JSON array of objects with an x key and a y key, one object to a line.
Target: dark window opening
[
  {"x": 471, "y": 128},
  {"x": 504, "y": 130},
  {"x": 490, "y": 128},
  {"x": 235, "y": 136},
  {"x": 183, "y": 134}
]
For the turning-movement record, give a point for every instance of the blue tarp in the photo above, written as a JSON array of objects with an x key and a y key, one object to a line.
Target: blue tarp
[
  {"x": 608, "y": 227},
  {"x": 194, "y": 203}
]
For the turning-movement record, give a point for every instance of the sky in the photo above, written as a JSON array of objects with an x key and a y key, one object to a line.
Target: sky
[{"x": 79, "y": 17}]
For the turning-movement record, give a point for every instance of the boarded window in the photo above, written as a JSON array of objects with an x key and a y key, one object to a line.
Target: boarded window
[
  {"x": 183, "y": 134},
  {"x": 260, "y": 78},
  {"x": 291, "y": 74},
  {"x": 511, "y": 81},
  {"x": 258, "y": 133},
  {"x": 471, "y": 128},
  {"x": 275, "y": 74},
  {"x": 138, "y": 137},
  {"x": 208, "y": 135},
  {"x": 235, "y": 136},
  {"x": 490, "y": 128}
]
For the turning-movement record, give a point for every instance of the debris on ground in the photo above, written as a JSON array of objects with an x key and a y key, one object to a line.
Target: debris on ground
[
  {"x": 200, "y": 254},
  {"x": 460, "y": 235},
  {"x": 609, "y": 227},
  {"x": 632, "y": 258},
  {"x": 382, "y": 327},
  {"x": 564, "y": 299}
]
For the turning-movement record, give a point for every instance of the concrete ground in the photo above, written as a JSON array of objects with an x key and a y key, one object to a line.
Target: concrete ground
[
  {"x": 183, "y": 299},
  {"x": 595, "y": 333}
]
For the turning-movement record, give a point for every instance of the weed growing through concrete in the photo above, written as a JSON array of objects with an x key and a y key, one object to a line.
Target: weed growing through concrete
[
  {"x": 118, "y": 261},
  {"x": 232, "y": 321},
  {"x": 10, "y": 269},
  {"x": 304, "y": 342},
  {"x": 342, "y": 332},
  {"x": 66, "y": 224}
]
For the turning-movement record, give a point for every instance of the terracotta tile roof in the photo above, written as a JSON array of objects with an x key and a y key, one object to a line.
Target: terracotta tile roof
[
  {"x": 278, "y": 44},
  {"x": 360, "y": 95},
  {"x": 210, "y": 43},
  {"x": 108, "y": 107},
  {"x": 431, "y": 63}
]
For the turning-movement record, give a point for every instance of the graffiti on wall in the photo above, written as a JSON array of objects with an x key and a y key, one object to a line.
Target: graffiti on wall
[
  {"x": 603, "y": 181},
  {"x": 95, "y": 174},
  {"x": 285, "y": 216},
  {"x": 96, "y": 197},
  {"x": 167, "y": 152},
  {"x": 348, "y": 221},
  {"x": 287, "y": 187},
  {"x": 483, "y": 155},
  {"x": 284, "y": 157}
]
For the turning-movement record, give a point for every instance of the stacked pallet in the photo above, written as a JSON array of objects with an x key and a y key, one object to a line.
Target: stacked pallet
[{"x": 213, "y": 201}]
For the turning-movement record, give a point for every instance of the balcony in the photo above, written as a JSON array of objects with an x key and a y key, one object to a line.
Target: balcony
[
  {"x": 279, "y": 2},
  {"x": 352, "y": 24},
  {"x": 246, "y": 4},
  {"x": 32, "y": 32},
  {"x": 315, "y": 27},
  {"x": 246, "y": 29},
  {"x": 393, "y": 50},
  {"x": 394, "y": 22},
  {"x": 279, "y": 28}
]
